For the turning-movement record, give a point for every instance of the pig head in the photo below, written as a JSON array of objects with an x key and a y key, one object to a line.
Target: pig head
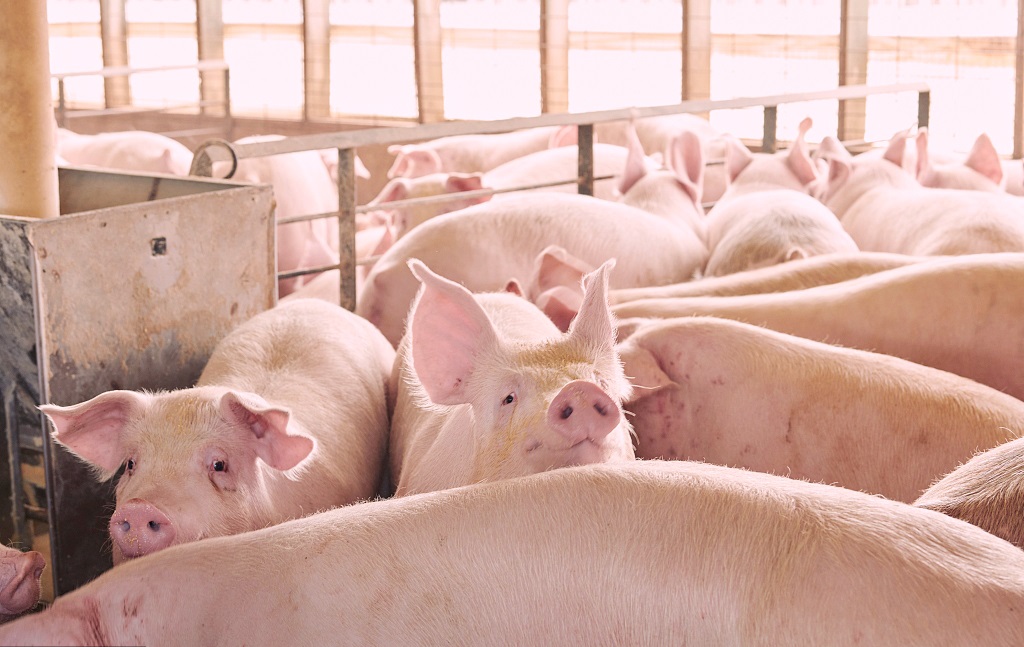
[{"x": 195, "y": 460}]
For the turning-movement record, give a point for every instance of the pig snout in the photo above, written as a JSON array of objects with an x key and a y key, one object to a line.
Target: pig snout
[
  {"x": 21, "y": 592},
  {"x": 140, "y": 528},
  {"x": 582, "y": 411}
]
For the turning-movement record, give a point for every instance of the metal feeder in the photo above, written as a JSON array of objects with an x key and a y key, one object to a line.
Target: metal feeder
[{"x": 130, "y": 289}]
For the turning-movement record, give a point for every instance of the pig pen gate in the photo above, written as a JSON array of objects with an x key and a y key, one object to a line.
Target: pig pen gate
[{"x": 46, "y": 362}]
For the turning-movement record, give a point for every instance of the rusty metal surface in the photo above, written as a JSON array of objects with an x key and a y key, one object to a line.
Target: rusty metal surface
[{"x": 132, "y": 296}]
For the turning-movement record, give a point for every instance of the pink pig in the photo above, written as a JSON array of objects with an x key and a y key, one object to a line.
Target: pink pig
[
  {"x": 987, "y": 491},
  {"x": 710, "y": 389},
  {"x": 474, "y": 153},
  {"x": 487, "y": 388},
  {"x": 766, "y": 216},
  {"x": 884, "y": 209},
  {"x": 653, "y": 553},
  {"x": 798, "y": 274},
  {"x": 138, "y": 151},
  {"x": 289, "y": 417},
  {"x": 484, "y": 246},
  {"x": 982, "y": 169},
  {"x": 959, "y": 314},
  {"x": 19, "y": 581}
]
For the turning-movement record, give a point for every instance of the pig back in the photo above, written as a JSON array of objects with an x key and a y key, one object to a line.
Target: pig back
[
  {"x": 331, "y": 369},
  {"x": 484, "y": 246},
  {"x": 649, "y": 553}
]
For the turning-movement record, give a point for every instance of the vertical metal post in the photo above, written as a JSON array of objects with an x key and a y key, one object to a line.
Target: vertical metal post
[
  {"x": 347, "y": 227},
  {"x": 316, "y": 43},
  {"x": 771, "y": 119},
  {"x": 62, "y": 108},
  {"x": 586, "y": 159},
  {"x": 923, "y": 108}
]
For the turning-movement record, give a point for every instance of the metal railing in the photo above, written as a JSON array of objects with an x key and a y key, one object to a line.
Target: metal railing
[
  {"x": 63, "y": 113},
  {"x": 347, "y": 142}
]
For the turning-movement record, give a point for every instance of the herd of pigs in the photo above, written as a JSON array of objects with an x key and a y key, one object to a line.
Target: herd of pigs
[{"x": 821, "y": 372}]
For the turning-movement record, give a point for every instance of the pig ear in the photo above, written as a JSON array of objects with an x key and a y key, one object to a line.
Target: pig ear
[
  {"x": 556, "y": 267},
  {"x": 838, "y": 174},
  {"x": 897, "y": 149},
  {"x": 414, "y": 161},
  {"x": 594, "y": 321},
  {"x": 514, "y": 287},
  {"x": 635, "y": 169},
  {"x": 794, "y": 254},
  {"x": 831, "y": 147},
  {"x": 268, "y": 427},
  {"x": 737, "y": 157},
  {"x": 642, "y": 370},
  {"x": 361, "y": 170},
  {"x": 984, "y": 159},
  {"x": 560, "y": 304},
  {"x": 564, "y": 136},
  {"x": 94, "y": 430},
  {"x": 396, "y": 189},
  {"x": 448, "y": 331},
  {"x": 457, "y": 182},
  {"x": 686, "y": 158}
]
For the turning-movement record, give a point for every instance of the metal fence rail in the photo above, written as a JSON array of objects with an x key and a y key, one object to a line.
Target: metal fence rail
[
  {"x": 64, "y": 114},
  {"x": 347, "y": 142}
]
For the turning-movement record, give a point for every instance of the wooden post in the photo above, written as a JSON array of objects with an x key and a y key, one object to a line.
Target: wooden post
[
  {"x": 696, "y": 47},
  {"x": 554, "y": 55},
  {"x": 114, "y": 39},
  {"x": 1018, "y": 91},
  {"x": 853, "y": 66},
  {"x": 213, "y": 88},
  {"x": 28, "y": 172},
  {"x": 426, "y": 29},
  {"x": 316, "y": 31}
]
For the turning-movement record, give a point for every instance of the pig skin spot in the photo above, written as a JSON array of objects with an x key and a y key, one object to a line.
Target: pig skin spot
[
  {"x": 718, "y": 381},
  {"x": 130, "y": 609}
]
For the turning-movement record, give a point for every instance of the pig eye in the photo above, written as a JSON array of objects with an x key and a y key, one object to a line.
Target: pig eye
[
  {"x": 509, "y": 399},
  {"x": 219, "y": 466},
  {"x": 130, "y": 465}
]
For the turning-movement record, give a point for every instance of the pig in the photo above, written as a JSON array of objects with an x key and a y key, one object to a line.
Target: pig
[
  {"x": 656, "y": 135},
  {"x": 289, "y": 417},
  {"x": 549, "y": 165},
  {"x": 958, "y": 314},
  {"x": 644, "y": 553},
  {"x": 981, "y": 170},
  {"x": 674, "y": 192},
  {"x": 20, "y": 574},
  {"x": 708, "y": 389},
  {"x": 138, "y": 151},
  {"x": 302, "y": 186},
  {"x": 370, "y": 244},
  {"x": 884, "y": 209},
  {"x": 474, "y": 153},
  {"x": 487, "y": 388},
  {"x": 797, "y": 274},
  {"x": 985, "y": 491},
  {"x": 766, "y": 216},
  {"x": 484, "y": 246}
]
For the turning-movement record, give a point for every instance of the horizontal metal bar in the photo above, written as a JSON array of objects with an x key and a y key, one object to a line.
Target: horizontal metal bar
[
  {"x": 35, "y": 513},
  {"x": 395, "y": 135},
  {"x": 72, "y": 113},
  {"x": 122, "y": 70}
]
